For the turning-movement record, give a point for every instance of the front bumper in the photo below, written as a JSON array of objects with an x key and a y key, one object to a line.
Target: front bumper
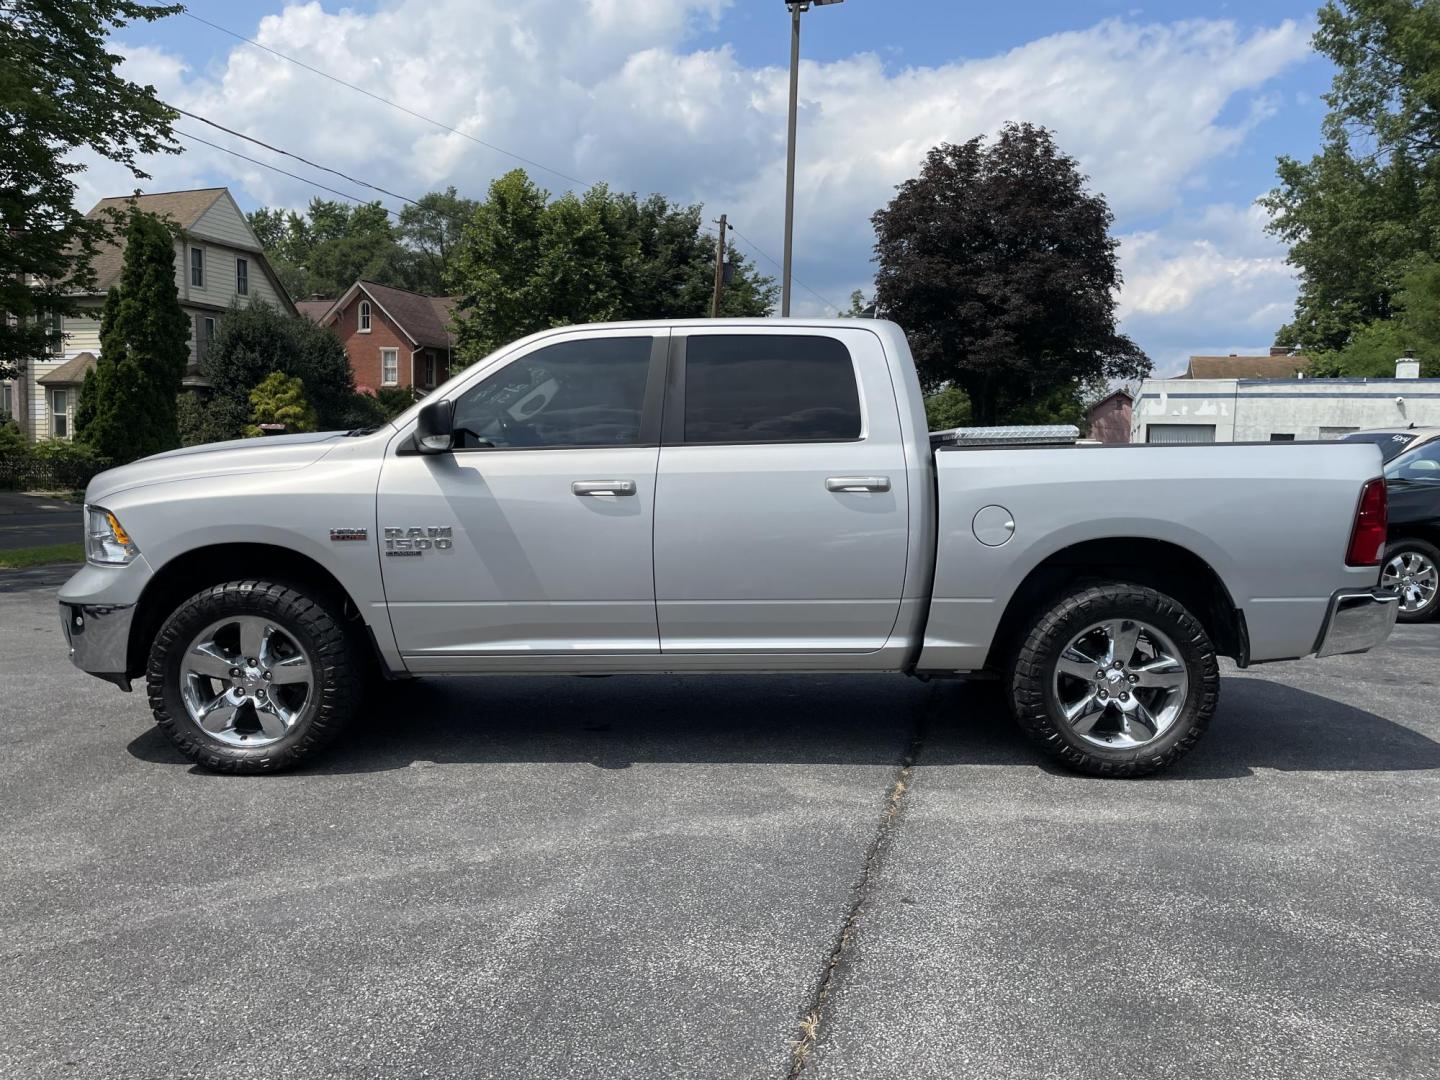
[
  {"x": 1357, "y": 621},
  {"x": 97, "y": 608},
  {"x": 99, "y": 639}
]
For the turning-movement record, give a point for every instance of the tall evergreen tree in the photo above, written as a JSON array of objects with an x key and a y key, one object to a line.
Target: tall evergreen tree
[{"x": 144, "y": 346}]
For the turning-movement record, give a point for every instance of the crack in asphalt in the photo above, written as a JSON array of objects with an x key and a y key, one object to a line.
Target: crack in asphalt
[{"x": 812, "y": 1023}]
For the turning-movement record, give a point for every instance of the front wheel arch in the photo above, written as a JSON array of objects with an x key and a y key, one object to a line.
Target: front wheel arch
[{"x": 185, "y": 575}]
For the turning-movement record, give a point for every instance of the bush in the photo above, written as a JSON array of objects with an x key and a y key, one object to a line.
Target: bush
[
  {"x": 12, "y": 441},
  {"x": 208, "y": 421},
  {"x": 394, "y": 400},
  {"x": 280, "y": 399},
  {"x": 50, "y": 465}
]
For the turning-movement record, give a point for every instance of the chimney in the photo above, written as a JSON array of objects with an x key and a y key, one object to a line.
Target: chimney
[{"x": 1407, "y": 368}]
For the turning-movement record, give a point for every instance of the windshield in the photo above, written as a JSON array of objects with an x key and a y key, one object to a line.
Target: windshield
[
  {"x": 1391, "y": 443},
  {"x": 1421, "y": 464}
]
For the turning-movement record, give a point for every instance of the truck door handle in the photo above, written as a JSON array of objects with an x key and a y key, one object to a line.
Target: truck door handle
[
  {"x": 858, "y": 483},
  {"x": 603, "y": 487}
]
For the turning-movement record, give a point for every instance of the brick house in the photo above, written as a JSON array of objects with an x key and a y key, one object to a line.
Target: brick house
[{"x": 393, "y": 337}]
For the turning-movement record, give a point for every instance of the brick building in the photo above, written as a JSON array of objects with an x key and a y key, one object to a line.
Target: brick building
[{"x": 393, "y": 337}]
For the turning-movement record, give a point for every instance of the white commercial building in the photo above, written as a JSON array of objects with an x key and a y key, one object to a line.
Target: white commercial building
[{"x": 1191, "y": 410}]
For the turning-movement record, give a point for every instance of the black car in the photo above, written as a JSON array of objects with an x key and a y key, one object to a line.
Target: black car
[
  {"x": 1393, "y": 441},
  {"x": 1412, "y": 557}
]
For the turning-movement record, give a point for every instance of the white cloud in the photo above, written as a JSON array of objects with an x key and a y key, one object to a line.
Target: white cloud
[{"x": 611, "y": 89}]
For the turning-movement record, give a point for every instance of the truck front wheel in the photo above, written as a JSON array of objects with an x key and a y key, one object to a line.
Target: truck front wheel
[
  {"x": 1115, "y": 680},
  {"x": 252, "y": 676}
]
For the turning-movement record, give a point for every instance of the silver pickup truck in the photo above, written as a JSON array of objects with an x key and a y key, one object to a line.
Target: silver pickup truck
[{"x": 719, "y": 496}]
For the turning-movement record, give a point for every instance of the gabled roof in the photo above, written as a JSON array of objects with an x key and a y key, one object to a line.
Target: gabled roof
[
  {"x": 1122, "y": 392},
  {"x": 1245, "y": 367},
  {"x": 314, "y": 310},
  {"x": 183, "y": 208},
  {"x": 69, "y": 373},
  {"x": 425, "y": 320}
]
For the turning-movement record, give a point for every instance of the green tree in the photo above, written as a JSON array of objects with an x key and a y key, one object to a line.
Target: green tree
[
  {"x": 430, "y": 232},
  {"x": 326, "y": 250},
  {"x": 144, "y": 346},
  {"x": 86, "y": 406},
  {"x": 860, "y": 308},
  {"x": 280, "y": 399},
  {"x": 947, "y": 408},
  {"x": 1414, "y": 330},
  {"x": 1358, "y": 213},
  {"x": 527, "y": 262},
  {"x": 252, "y": 342},
  {"x": 59, "y": 92},
  {"x": 1001, "y": 267}
]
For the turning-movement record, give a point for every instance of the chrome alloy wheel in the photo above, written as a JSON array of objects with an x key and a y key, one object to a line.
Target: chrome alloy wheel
[
  {"x": 245, "y": 681},
  {"x": 1414, "y": 577},
  {"x": 1120, "y": 683}
]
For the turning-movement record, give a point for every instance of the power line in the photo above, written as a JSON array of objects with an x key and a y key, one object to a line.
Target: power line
[
  {"x": 437, "y": 123},
  {"x": 773, "y": 262},
  {"x": 384, "y": 100},
  {"x": 283, "y": 172},
  {"x": 297, "y": 157}
]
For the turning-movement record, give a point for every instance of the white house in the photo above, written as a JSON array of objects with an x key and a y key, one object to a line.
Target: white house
[
  {"x": 219, "y": 263},
  {"x": 1202, "y": 410}
]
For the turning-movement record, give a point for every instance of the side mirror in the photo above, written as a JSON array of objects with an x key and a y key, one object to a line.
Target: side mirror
[{"x": 433, "y": 427}]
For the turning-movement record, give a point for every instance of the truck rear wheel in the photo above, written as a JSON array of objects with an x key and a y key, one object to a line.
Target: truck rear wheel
[
  {"x": 252, "y": 676},
  {"x": 1115, "y": 680}
]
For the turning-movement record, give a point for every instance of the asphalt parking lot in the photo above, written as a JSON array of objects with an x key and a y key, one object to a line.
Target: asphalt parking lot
[{"x": 671, "y": 878}]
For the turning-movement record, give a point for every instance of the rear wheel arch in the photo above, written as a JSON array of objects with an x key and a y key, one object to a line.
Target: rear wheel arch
[
  {"x": 187, "y": 574},
  {"x": 1166, "y": 567}
]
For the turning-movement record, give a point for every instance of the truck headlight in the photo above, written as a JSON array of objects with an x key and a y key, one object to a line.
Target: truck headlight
[{"x": 105, "y": 541}]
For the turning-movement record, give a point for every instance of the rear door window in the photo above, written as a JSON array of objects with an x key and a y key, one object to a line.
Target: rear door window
[{"x": 769, "y": 388}]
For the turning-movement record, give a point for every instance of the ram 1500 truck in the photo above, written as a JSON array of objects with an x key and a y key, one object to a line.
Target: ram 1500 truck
[{"x": 719, "y": 496}]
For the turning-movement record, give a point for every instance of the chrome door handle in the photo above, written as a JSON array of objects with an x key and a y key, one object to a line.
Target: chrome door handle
[
  {"x": 858, "y": 483},
  {"x": 603, "y": 487}
]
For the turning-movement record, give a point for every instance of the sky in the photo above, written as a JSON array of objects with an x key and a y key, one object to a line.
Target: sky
[{"x": 1175, "y": 111}]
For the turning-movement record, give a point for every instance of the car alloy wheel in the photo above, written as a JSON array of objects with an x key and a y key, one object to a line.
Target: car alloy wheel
[
  {"x": 1120, "y": 683},
  {"x": 1411, "y": 574}
]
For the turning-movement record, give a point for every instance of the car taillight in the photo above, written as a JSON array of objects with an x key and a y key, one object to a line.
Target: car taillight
[{"x": 1367, "y": 539}]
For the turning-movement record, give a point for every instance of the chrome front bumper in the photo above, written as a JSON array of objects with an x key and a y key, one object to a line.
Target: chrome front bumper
[
  {"x": 1357, "y": 621},
  {"x": 99, "y": 638}
]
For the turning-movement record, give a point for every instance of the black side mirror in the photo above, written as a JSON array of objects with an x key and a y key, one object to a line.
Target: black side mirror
[{"x": 434, "y": 427}]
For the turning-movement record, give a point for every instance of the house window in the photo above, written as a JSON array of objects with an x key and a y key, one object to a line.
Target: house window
[
  {"x": 57, "y": 334},
  {"x": 60, "y": 414},
  {"x": 389, "y": 367},
  {"x": 429, "y": 370},
  {"x": 364, "y": 316},
  {"x": 197, "y": 267},
  {"x": 7, "y": 403},
  {"x": 242, "y": 277},
  {"x": 1279, "y": 436},
  {"x": 204, "y": 335}
]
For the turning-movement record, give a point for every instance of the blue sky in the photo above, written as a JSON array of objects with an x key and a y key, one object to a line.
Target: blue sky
[{"x": 1176, "y": 111}]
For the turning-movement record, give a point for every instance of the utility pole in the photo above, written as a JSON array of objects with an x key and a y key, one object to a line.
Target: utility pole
[
  {"x": 795, "y": 10},
  {"x": 719, "y": 269}
]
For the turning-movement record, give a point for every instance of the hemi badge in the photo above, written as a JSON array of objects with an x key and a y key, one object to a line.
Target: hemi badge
[{"x": 337, "y": 535}]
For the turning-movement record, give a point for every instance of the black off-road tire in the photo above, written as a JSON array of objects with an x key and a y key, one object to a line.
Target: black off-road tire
[
  {"x": 1430, "y": 552},
  {"x": 311, "y": 621},
  {"x": 1030, "y": 677}
]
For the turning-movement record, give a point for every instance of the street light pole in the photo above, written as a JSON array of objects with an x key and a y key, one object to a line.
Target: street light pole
[{"x": 795, "y": 10}]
